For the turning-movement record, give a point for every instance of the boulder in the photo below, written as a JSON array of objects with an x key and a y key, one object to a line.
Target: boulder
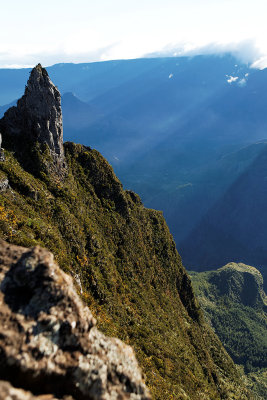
[{"x": 49, "y": 343}]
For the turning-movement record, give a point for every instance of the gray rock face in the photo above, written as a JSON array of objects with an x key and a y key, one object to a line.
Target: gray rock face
[
  {"x": 2, "y": 154},
  {"x": 49, "y": 345},
  {"x": 4, "y": 185},
  {"x": 38, "y": 114}
]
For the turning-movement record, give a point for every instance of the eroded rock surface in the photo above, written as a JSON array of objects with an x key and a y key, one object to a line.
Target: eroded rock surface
[
  {"x": 2, "y": 154},
  {"x": 4, "y": 184},
  {"x": 38, "y": 115},
  {"x": 49, "y": 344}
]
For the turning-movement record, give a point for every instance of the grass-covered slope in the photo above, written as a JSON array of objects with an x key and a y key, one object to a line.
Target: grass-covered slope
[
  {"x": 235, "y": 305},
  {"x": 125, "y": 264}
]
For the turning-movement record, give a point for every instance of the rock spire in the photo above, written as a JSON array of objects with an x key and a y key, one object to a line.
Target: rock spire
[{"x": 38, "y": 115}]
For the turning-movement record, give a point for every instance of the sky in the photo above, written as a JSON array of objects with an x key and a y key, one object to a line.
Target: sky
[{"x": 56, "y": 31}]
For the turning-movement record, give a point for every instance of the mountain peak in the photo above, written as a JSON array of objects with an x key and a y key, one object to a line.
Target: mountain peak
[
  {"x": 39, "y": 68},
  {"x": 37, "y": 116},
  {"x": 39, "y": 75}
]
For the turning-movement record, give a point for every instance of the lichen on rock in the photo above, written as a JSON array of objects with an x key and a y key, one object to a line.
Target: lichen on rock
[{"x": 49, "y": 343}]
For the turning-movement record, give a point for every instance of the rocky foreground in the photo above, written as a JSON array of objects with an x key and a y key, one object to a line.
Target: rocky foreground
[{"x": 49, "y": 344}]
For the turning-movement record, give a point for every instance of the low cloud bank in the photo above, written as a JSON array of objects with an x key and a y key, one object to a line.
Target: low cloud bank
[
  {"x": 246, "y": 51},
  {"x": 9, "y": 60}
]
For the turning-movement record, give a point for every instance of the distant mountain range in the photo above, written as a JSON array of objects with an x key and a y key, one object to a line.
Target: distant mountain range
[{"x": 182, "y": 132}]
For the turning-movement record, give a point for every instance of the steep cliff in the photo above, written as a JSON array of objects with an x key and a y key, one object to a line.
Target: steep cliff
[{"x": 125, "y": 264}]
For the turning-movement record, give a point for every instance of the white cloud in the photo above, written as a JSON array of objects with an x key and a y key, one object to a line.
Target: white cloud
[
  {"x": 84, "y": 31},
  {"x": 231, "y": 78},
  {"x": 47, "y": 58},
  {"x": 246, "y": 51},
  {"x": 235, "y": 79},
  {"x": 261, "y": 63}
]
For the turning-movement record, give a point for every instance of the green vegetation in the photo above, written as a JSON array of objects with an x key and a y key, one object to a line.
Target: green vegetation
[
  {"x": 235, "y": 305},
  {"x": 131, "y": 275}
]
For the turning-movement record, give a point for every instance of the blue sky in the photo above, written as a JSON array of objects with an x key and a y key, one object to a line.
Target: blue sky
[{"x": 91, "y": 30}]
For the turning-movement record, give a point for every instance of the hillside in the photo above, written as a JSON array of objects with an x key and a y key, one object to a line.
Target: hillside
[
  {"x": 235, "y": 305},
  {"x": 121, "y": 254}
]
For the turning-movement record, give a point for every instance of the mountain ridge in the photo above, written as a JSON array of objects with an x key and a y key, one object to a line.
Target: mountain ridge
[{"x": 125, "y": 262}]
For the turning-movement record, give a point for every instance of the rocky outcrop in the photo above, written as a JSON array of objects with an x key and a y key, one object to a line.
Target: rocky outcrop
[
  {"x": 37, "y": 116},
  {"x": 4, "y": 184},
  {"x": 2, "y": 154},
  {"x": 49, "y": 344}
]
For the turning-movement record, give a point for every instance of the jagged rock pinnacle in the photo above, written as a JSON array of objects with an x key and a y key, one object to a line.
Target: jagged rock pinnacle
[{"x": 38, "y": 114}]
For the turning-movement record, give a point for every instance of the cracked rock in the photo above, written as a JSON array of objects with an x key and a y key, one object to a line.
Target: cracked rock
[{"x": 49, "y": 344}]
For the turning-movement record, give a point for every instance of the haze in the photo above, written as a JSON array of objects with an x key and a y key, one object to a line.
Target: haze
[{"x": 83, "y": 31}]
